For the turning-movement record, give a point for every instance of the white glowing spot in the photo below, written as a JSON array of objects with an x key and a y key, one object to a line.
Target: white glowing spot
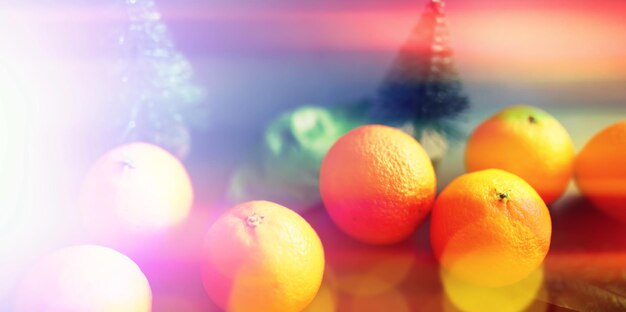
[
  {"x": 85, "y": 278},
  {"x": 138, "y": 188},
  {"x": 28, "y": 99},
  {"x": 12, "y": 146}
]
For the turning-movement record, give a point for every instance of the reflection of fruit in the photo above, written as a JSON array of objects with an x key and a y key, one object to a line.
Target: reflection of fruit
[
  {"x": 601, "y": 170},
  {"x": 382, "y": 275},
  {"x": 137, "y": 187},
  {"x": 326, "y": 298},
  {"x": 363, "y": 271},
  {"x": 85, "y": 278},
  {"x": 261, "y": 256},
  {"x": 490, "y": 228},
  {"x": 377, "y": 184},
  {"x": 528, "y": 142},
  {"x": 515, "y": 297},
  {"x": 355, "y": 269},
  {"x": 391, "y": 300}
]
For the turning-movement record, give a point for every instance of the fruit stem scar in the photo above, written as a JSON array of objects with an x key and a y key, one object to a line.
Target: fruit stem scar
[
  {"x": 503, "y": 197},
  {"x": 532, "y": 119},
  {"x": 254, "y": 220},
  {"x": 127, "y": 164}
]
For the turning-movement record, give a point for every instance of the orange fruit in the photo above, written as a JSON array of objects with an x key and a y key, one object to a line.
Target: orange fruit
[
  {"x": 490, "y": 228},
  {"x": 135, "y": 188},
  {"x": 528, "y": 142},
  {"x": 261, "y": 256},
  {"x": 377, "y": 184},
  {"x": 84, "y": 278},
  {"x": 600, "y": 170}
]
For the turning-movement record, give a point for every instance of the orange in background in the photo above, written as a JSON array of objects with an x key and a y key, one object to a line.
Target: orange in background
[
  {"x": 135, "y": 189},
  {"x": 377, "y": 184},
  {"x": 490, "y": 228},
  {"x": 528, "y": 142},
  {"x": 600, "y": 171},
  {"x": 261, "y": 256}
]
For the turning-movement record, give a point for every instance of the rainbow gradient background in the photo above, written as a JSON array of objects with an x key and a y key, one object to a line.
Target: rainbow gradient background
[{"x": 256, "y": 59}]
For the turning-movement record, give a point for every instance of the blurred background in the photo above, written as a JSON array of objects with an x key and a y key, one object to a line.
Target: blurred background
[{"x": 254, "y": 60}]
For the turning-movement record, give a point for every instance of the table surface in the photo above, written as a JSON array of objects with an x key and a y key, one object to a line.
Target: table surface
[{"x": 585, "y": 269}]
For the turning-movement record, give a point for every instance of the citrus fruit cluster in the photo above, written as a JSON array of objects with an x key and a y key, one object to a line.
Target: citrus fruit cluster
[
  {"x": 378, "y": 185},
  {"x": 490, "y": 226},
  {"x": 131, "y": 192},
  {"x": 530, "y": 143}
]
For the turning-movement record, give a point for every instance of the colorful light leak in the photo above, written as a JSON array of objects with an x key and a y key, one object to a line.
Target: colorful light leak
[
  {"x": 62, "y": 110},
  {"x": 85, "y": 278},
  {"x": 135, "y": 188}
]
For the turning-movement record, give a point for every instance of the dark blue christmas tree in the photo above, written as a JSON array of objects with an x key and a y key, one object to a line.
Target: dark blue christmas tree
[{"x": 422, "y": 89}]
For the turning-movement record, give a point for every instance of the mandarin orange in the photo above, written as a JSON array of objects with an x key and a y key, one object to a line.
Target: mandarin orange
[
  {"x": 84, "y": 278},
  {"x": 490, "y": 228},
  {"x": 600, "y": 170},
  {"x": 377, "y": 184},
  {"x": 528, "y": 142},
  {"x": 261, "y": 256},
  {"x": 133, "y": 190}
]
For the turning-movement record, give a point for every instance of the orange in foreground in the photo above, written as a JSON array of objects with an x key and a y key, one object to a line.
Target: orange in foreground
[
  {"x": 528, "y": 142},
  {"x": 261, "y": 256},
  {"x": 377, "y": 184},
  {"x": 600, "y": 170},
  {"x": 84, "y": 278},
  {"x": 490, "y": 228}
]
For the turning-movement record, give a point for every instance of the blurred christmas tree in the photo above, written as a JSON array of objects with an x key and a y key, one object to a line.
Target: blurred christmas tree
[
  {"x": 155, "y": 81},
  {"x": 422, "y": 91},
  {"x": 422, "y": 94}
]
